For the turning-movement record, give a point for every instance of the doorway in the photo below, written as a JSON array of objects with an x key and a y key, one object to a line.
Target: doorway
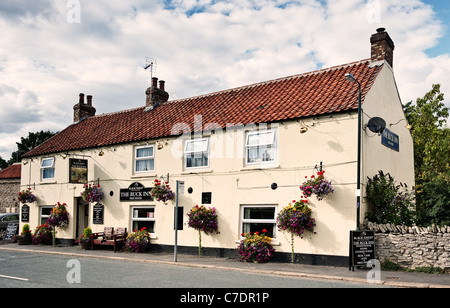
[{"x": 82, "y": 216}]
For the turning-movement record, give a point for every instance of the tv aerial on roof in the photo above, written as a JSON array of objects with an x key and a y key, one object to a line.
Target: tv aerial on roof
[
  {"x": 150, "y": 64},
  {"x": 376, "y": 125}
]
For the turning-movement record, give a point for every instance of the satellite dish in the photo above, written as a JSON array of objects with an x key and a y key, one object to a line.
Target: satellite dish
[{"x": 376, "y": 125}]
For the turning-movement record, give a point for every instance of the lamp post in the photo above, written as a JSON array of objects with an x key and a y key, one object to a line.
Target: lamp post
[{"x": 352, "y": 78}]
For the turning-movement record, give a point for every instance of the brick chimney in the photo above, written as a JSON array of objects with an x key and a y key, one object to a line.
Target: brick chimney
[
  {"x": 82, "y": 110},
  {"x": 154, "y": 95},
  {"x": 382, "y": 47}
]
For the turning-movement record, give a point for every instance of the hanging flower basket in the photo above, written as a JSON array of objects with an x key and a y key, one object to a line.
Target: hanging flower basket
[
  {"x": 59, "y": 216},
  {"x": 317, "y": 185},
  {"x": 92, "y": 193},
  {"x": 296, "y": 219},
  {"x": 161, "y": 191},
  {"x": 25, "y": 196},
  {"x": 203, "y": 219}
]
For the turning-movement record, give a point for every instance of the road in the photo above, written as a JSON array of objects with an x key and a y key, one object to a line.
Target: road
[{"x": 34, "y": 270}]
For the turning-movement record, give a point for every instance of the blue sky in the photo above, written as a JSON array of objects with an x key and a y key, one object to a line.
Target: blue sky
[
  {"x": 442, "y": 9},
  {"x": 52, "y": 50}
]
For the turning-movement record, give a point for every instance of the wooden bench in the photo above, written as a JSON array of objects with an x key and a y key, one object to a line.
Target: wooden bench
[{"x": 109, "y": 237}]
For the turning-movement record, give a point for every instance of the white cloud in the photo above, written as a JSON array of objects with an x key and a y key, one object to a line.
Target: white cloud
[{"x": 200, "y": 46}]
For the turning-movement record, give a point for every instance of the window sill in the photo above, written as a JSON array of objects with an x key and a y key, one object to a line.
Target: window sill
[
  {"x": 273, "y": 242},
  {"x": 260, "y": 167},
  {"x": 143, "y": 175},
  {"x": 196, "y": 171}
]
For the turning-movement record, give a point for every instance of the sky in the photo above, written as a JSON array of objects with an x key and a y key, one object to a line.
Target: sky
[{"x": 52, "y": 50}]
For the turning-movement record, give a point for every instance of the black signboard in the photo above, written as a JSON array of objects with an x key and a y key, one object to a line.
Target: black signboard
[
  {"x": 98, "y": 213},
  {"x": 362, "y": 247},
  {"x": 178, "y": 219},
  {"x": 78, "y": 171},
  {"x": 11, "y": 230},
  {"x": 136, "y": 192},
  {"x": 25, "y": 217}
]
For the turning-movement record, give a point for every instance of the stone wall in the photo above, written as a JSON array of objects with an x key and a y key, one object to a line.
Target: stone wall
[
  {"x": 9, "y": 188},
  {"x": 412, "y": 246}
]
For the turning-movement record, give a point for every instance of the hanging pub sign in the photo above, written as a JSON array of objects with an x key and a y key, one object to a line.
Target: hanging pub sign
[
  {"x": 136, "y": 192},
  {"x": 390, "y": 140},
  {"x": 78, "y": 171}
]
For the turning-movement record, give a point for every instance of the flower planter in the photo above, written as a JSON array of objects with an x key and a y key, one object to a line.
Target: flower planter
[{"x": 26, "y": 240}]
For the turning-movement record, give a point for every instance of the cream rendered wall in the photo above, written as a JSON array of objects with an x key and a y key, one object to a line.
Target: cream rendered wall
[
  {"x": 331, "y": 140},
  {"x": 383, "y": 101}
]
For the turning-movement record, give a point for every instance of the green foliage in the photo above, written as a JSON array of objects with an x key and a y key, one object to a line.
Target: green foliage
[
  {"x": 389, "y": 202},
  {"x": 87, "y": 232},
  {"x": 431, "y": 137},
  {"x": 433, "y": 204}
]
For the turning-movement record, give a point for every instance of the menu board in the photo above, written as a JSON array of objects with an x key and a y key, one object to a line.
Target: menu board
[{"x": 362, "y": 247}]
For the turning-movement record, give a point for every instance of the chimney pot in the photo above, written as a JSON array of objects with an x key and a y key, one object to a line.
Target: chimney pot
[
  {"x": 89, "y": 100},
  {"x": 81, "y": 98},
  {"x": 161, "y": 84},
  {"x": 154, "y": 82}
]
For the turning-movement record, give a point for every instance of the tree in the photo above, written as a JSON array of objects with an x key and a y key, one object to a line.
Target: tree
[
  {"x": 431, "y": 138},
  {"x": 28, "y": 143}
]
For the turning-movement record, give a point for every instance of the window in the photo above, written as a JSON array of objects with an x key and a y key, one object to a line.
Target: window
[
  {"x": 143, "y": 216},
  {"x": 196, "y": 153},
  {"x": 257, "y": 218},
  {"x": 48, "y": 168},
  {"x": 261, "y": 147},
  {"x": 45, "y": 213},
  {"x": 144, "y": 159}
]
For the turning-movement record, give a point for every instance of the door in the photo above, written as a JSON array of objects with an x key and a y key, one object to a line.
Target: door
[{"x": 82, "y": 216}]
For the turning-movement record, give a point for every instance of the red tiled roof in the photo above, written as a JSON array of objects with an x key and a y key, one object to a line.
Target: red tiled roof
[
  {"x": 320, "y": 92},
  {"x": 11, "y": 172}
]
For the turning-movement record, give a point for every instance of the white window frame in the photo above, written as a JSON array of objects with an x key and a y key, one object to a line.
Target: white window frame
[
  {"x": 133, "y": 219},
  {"x": 42, "y": 216},
  {"x": 137, "y": 159},
  {"x": 205, "y": 149},
  {"x": 266, "y": 220},
  {"x": 272, "y": 141},
  {"x": 51, "y": 166}
]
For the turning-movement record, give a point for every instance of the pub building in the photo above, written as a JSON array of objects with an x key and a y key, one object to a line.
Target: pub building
[{"x": 244, "y": 151}]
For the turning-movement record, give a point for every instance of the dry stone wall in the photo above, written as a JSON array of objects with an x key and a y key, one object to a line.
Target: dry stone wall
[
  {"x": 9, "y": 189},
  {"x": 412, "y": 247}
]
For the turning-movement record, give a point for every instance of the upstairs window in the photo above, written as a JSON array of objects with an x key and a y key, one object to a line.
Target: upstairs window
[
  {"x": 196, "y": 153},
  {"x": 48, "y": 168},
  {"x": 144, "y": 159},
  {"x": 261, "y": 147}
]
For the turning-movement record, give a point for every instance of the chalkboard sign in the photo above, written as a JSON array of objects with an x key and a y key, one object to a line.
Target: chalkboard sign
[
  {"x": 25, "y": 217},
  {"x": 97, "y": 218},
  {"x": 362, "y": 247},
  {"x": 11, "y": 230}
]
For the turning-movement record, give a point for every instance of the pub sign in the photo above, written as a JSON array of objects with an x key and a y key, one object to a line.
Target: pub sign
[
  {"x": 136, "y": 192},
  {"x": 78, "y": 171}
]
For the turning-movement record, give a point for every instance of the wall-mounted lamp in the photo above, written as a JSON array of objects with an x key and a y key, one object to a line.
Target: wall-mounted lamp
[{"x": 101, "y": 153}]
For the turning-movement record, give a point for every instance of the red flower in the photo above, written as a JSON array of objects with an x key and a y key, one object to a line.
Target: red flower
[{"x": 264, "y": 231}]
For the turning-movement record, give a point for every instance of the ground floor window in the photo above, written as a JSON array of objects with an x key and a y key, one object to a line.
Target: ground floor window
[
  {"x": 143, "y": 216},
  {"x": 45, "y": 213},
  {"x": 256, "y": 218}
]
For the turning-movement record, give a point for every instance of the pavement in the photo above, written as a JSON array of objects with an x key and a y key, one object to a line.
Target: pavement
[{"x": 359, "y": 275}]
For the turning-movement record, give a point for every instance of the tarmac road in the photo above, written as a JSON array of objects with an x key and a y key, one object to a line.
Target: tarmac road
[{"x": 240, "y": 274}]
